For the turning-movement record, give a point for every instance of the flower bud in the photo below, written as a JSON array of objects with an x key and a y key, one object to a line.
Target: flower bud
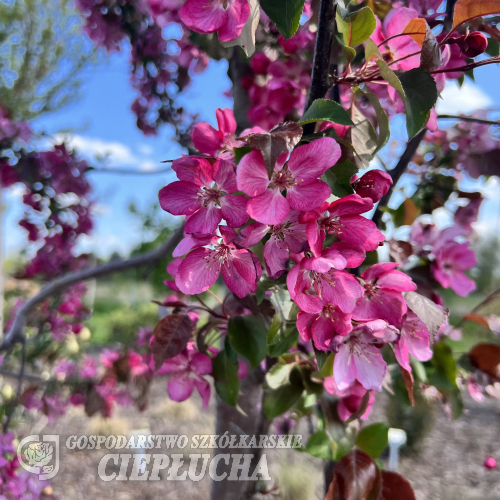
[
  {"x": 374, "y": 184},
  {"x": 474, "y": 44},
  {"x": 490, "y": 463}
]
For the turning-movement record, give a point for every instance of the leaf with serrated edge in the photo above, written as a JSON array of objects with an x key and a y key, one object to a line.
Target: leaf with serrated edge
[
  {"x": 285, "y": 14},
  {"x": 326, "y": 110}
]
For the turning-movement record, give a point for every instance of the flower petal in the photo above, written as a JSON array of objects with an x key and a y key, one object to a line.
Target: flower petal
[
  {"x": 234, "y": 209},
  {"x": 269, "y": 207},
  {"x": 179, "y": 198},
  {"x": 310, "y": 196},
  {"x": 204, "y": 221},
  {"x": 180, "y": 386},
  {"x": 198, "y": 272},
  {"x": 251, "y": 175}
]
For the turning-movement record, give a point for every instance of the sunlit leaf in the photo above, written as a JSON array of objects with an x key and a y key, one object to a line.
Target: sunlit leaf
[{"x": 465, "y": 10}]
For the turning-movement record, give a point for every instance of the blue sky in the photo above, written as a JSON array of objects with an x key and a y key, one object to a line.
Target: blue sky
[{"x": 101, "y": 123}]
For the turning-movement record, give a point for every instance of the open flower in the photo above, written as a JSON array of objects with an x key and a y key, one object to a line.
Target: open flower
[
  {"x": 204, "y": 193},
  {"x": 359, "y": 359},
  {"x": 210, "y": 141},
  {"x": 200, "y": 269},
  {"x": 342, "y": 219},
  {"x": 187, "y": 371},
  {"x": 382, "y": 299},
  {"x": 298, "y": 176},
  {"x": 207, "y": 16}
]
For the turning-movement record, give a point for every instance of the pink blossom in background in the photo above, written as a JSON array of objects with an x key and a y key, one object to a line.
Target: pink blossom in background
[
  {"x": 204, "y": 192},
  {"x": 350, "y": 398},
  {"x": 452, "y": 259},
  {"x": 299, "y": 176},
  {"x": 207, "y": 16},
  {"x": 187, "y": 371}
]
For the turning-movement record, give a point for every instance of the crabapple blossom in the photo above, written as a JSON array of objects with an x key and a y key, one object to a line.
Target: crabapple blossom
[
  {"x": 350, "y": 398},
  {"x": 358, "y": 358},
  {"x": 210, "y": 141},
  {"x": 374, "y": 184},
  {"x": 298, "y": 175},
  {"x": 204, "y": 193},
  {"x": 207, "y": 16}
]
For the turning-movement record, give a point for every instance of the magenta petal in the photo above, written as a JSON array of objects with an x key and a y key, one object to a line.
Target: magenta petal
[
  {"x": 203, "y": 388},
  {"x": 386, "y": 304},
  {"x": 344, "y": 371},
  {"x": 251, "y": 175},
  {"x": 362, "y": 232},
  {"x": 204, "y": 221},
  {"x": 225, "y": 121},
  {"x": 315, "y": 237},
  {"x": 201, "y": 364},
  {"x": 397, "y": 281},
  {"x": 342, "y": 289},
  {"x": 206, "y": 139},
  {"x": 402, "y": 354},
  {"x": 269, "y": 208},
  {"x": 311, "y": 161},
  {"x": 276, "y": 256},
  {"x": 353, "y": 254},
  {"x": 180, "y": 386},
  {"x": 239, "y": 273},
  {"x": 234, "y": 210},
  {"x": 310, "y": 196},
  {"x": 370, "y": 368},
  {"x": 224, "y": 176},
  {"x": 203, "y": 16},
  {"x": 251, "y": 235},
  {"x": 304, "y": 321},
  {"x": 322, "y": 332},
  {"x": 228, "y": 234},
  {"x": 191, "y": 241},
  {"x": 309, "y": 303},
  {"x": 461, "y": 284},
  {"x": 292, "y": 278},
  {"x": 179, "y": 198},
  {"x": 198, "y": 272},
  {"x": 195, "y": 169},
  {"x": 237, "y": 15},
  {"x": 349, "y": 205}
]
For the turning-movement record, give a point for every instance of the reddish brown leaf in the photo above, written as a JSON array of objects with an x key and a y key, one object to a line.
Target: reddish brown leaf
[
  {"x": 409, "y": 383},
  {"x": 400, "y": 251},
  {"x": 411, "y": 212},
  {"x": 486, "y": 357},
  {"x": 395, "y": 487},
  {"x": 355, "y": 477},
  {"x": 416, "y": 28},
  {"x": 171, "y": 336},
  {"x": 465, "y": 10},
  {"x": 282, "y": 138},
  {"x": 477, "y": 318}
]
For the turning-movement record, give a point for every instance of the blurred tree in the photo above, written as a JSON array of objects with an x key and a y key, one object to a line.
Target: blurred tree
[{"x": 41, "y": 53}]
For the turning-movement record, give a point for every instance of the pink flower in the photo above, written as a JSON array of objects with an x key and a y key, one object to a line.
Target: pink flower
[
  {"x": 490, "y": 463},
  {"x": 452, "y": 259},
  {"x": 225, "y": 16},
  {"x": 359, "y": 359},
  {"x": 289, "y": 236},
  {"x": 310, "y": 287},
  {"x": 414, "y": 340},
  {"x": 383, "y": 285},
  {"x": 187, "y": 371},
  {"x": 299, "y": 176},
  {"x": 374, "y": 184},
  {"x": 342, "y": 219},
  {"x": 210, "y": 141},
  {"x": 200, "y": 269},
  {"x": 202, "y": 193},
  {"x": 351, "y": 398},
  {"x": 324, "y": 326}
]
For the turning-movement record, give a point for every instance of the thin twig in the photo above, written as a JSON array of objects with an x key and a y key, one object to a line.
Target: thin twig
[
  {"x": 397, "y": 172},
  {"x": 16, "y": 333},
  {"x": 128, "y": 171},
  {"x": 470, "y": 119}
]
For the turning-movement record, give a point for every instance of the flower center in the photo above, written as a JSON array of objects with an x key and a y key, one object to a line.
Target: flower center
[
  {"x": 218, "y": 256},
  {"x": 283, "y": 179},
  {"x": 332, "y": 225},
  {"x": 370, "y": 289},
  {"x": 210, "y": 195}
]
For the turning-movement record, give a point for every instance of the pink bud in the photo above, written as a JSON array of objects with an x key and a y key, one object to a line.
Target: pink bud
[
  {"x": 474, "y": 44},
  {"x": 490, "y": 463},
  {"x": 374, "y": 184}
]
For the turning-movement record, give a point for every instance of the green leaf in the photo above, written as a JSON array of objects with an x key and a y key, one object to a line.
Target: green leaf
[
  {"x": 285, "y": 14},
  {"x": 278, "y": 375},
  {"x": 421, "y": 96},
  {"x": 373, "y": 439},
  {"x": 320, "y": 445},
  {"x": 282, "y": 342},
  {"x": 278, "y": 401},
  {"x": 363, "y": 137},
  {"x": 349, "y": 53},
  {"x": 357, "y": 28},
  {"x": 493, "y": 48},
  {"x": 321, "y": 357},
  {"x": 325, "y": 110},
  {"x": 225, "y": 373},
  {"x": 371, "y": 50},
  {"x": 390, "y": 77},
  {"x": 339, "y": 178},
  {"x": 247, "y": 335},
  {"x": 239, "y": 153},
  {"x": 382, "y": 119}
]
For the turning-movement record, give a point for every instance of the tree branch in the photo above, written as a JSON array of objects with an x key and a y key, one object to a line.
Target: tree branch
[
  {"x": 470, "y": 119},
  {"x": 397, "y": 172},
  {"x": 16, "y": 333},
  {"x": 321, "y": 63},
  {"x": 129, "y": 171}
]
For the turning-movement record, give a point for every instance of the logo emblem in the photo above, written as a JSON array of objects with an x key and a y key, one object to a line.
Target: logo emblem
[{"x": 39, "y": 456}]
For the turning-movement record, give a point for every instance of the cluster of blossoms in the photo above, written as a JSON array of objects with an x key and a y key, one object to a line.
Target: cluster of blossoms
[{"x": 292, "y": 215}]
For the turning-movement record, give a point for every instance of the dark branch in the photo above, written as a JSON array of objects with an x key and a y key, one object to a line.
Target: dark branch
[
  {"x": 469, "y": 119},
  {"x": 397, "y": 172},
  {"x": 16, "y": 333},
  {"x": 321, "y": 64}
]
